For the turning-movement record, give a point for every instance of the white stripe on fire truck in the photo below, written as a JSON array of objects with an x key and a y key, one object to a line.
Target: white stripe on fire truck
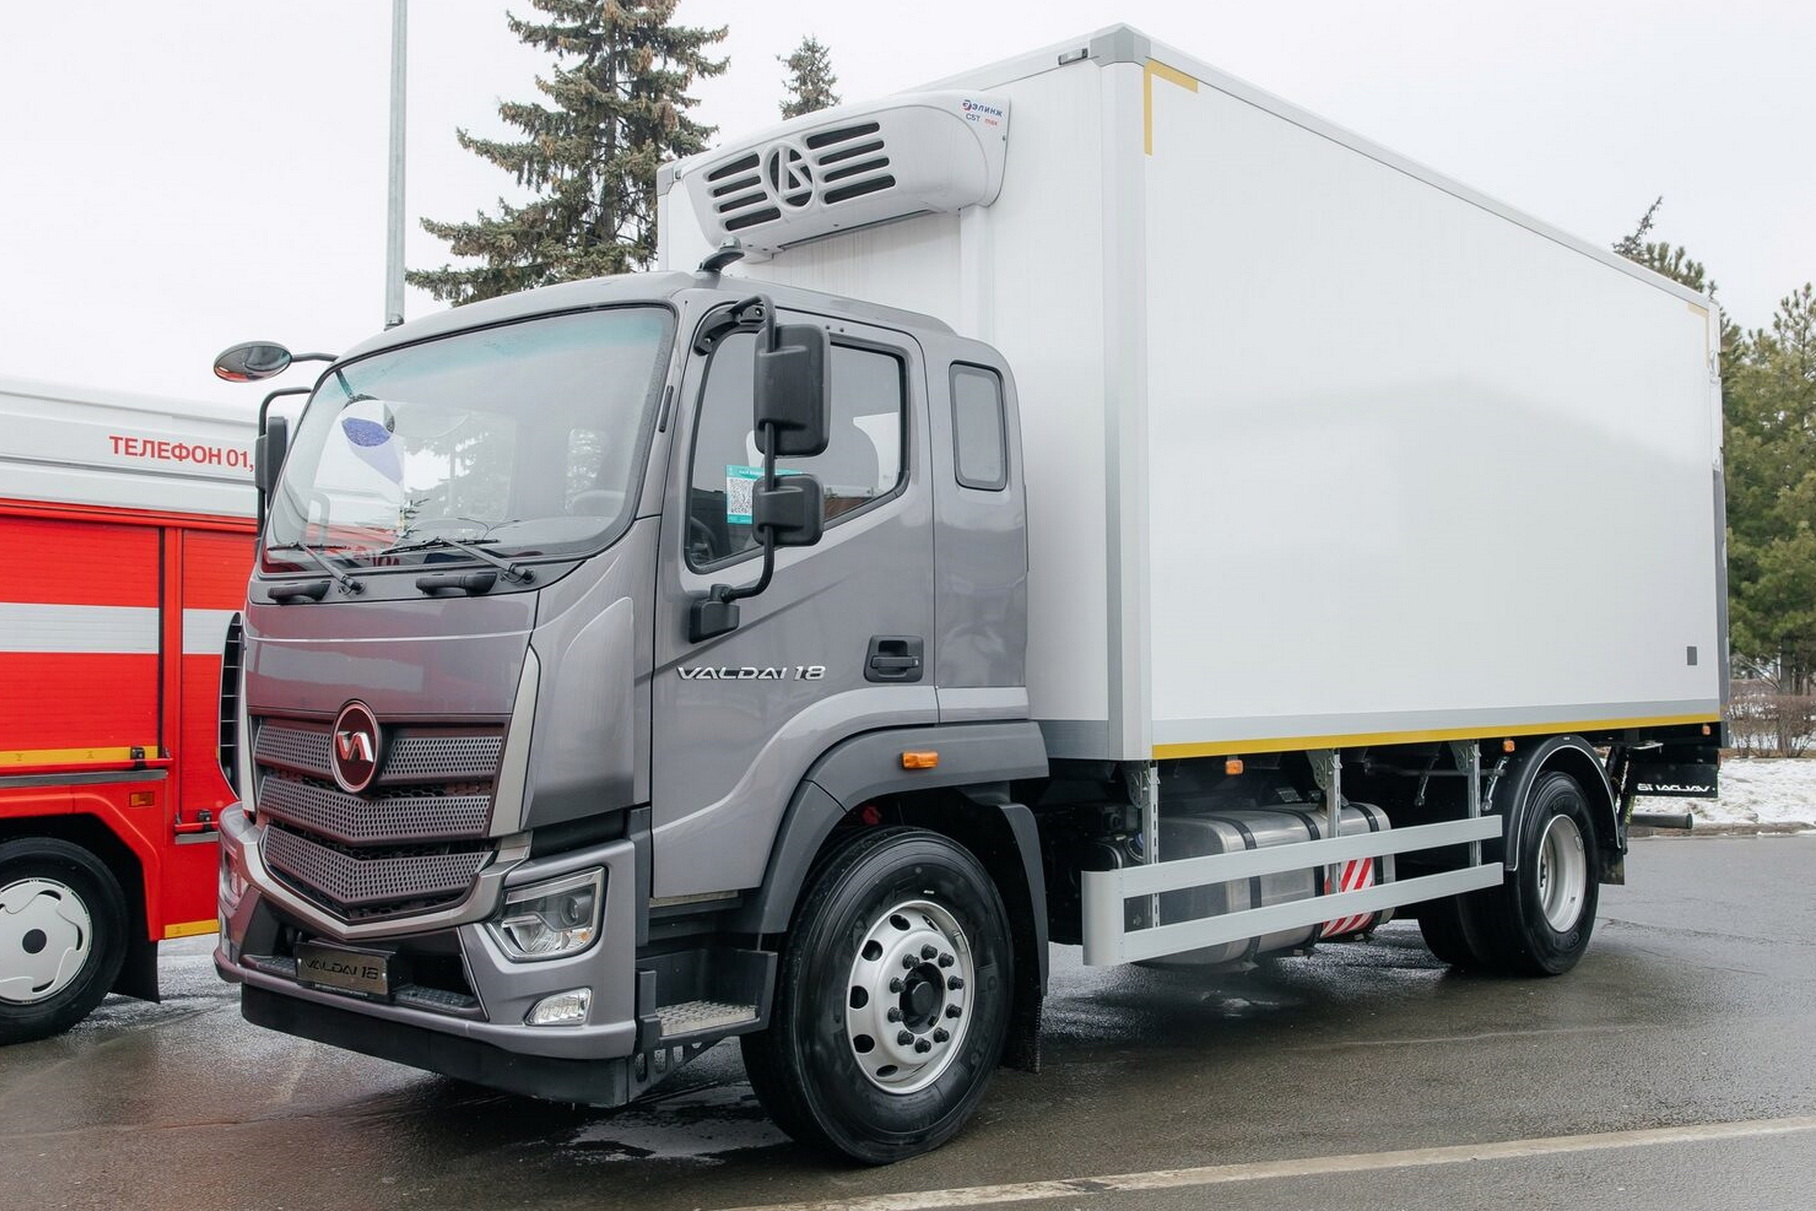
[
  {"x": 43, "y": 627},
  {"x": 205, "y": 631}
]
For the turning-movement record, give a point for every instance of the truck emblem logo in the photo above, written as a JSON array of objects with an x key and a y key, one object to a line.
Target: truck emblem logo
[{"x": 356, "y": 740}]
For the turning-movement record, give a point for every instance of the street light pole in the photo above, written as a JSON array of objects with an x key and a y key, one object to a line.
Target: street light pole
[{"x": 394, "y": 227}]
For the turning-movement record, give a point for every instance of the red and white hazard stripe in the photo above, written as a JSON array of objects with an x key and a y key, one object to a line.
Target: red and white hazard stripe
[{"x": 1356, "y": 875}]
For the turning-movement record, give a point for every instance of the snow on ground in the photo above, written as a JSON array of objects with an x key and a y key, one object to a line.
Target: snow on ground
[{"x": 1768, "y": 791}]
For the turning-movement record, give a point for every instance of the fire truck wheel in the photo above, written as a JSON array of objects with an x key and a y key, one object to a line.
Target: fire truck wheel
[
  {"x": 1538, "y": 922},
  {"x": 892, "y": 1001},
  {"x": 62, "y": 936}
]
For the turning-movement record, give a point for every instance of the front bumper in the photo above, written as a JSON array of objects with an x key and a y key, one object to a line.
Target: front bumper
[{"x": 480, "y": 1038}]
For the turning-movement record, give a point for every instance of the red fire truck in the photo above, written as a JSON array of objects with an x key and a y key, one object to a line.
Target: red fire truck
[{"x": 126, "y": 536}]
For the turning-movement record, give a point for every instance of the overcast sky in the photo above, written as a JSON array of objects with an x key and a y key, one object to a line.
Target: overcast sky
[{"x": 179, "y": 175}]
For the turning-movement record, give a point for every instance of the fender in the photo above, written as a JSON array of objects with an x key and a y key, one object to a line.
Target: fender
[
  {"x": 867, "y": 766},
  {"x": 1571, "y": 755}
]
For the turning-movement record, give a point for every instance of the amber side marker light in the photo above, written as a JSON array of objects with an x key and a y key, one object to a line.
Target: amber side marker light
[
  {"x": 1233, "y": 766},
  {"x": 1506, "y": 746},
  {"x": 142, "y": 798},
  {"x": 920, "y": 760}
]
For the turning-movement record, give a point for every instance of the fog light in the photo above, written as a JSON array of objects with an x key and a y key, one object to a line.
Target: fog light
[
  {"x": 563, "y": 1009},
  {"x": 552, "y": 919}
]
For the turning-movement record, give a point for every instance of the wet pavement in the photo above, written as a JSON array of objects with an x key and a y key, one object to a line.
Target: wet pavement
[{"x": 1695, "y": 1005}]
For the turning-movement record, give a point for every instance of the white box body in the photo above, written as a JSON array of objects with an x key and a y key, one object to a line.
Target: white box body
[{"x": 1322, "y": 448}]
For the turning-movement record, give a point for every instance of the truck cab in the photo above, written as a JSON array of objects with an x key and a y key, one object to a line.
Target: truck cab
[{"x": 507, "y": 814}]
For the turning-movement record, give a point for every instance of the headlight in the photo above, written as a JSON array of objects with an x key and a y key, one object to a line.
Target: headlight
[{"x": 552, "y": 919}]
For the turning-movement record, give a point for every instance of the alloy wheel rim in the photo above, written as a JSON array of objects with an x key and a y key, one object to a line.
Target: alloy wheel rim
[{"x": 908, "y": 1000}]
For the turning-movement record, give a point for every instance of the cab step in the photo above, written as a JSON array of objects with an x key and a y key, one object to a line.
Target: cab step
[{"x": 701, "y": 1017}]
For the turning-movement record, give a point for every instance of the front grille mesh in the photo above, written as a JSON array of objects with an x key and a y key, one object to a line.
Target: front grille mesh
[
  {"x": 409, "y": 757},
  {"x": 410, "y": 843},
  {"x": 355, "y": 820},
  {"x": 439, "y": 757},
  {"x": 348, "y": 879}
]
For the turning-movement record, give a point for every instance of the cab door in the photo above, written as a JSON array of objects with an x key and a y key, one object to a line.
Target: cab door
[{"x": 840, "y": 641}]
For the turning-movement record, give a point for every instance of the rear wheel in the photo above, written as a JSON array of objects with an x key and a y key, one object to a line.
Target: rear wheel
[
  {"x": 892, "y": 1001},
  {"x": 1538, "y": 922},
  {"x": 62, "y": 936}
]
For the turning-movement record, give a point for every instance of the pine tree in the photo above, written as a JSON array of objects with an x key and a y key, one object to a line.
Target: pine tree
[
  {"x": 620, "y": 108},
  {"x": 1674, "y": 261},
  {"x": 810, "y": 80}
]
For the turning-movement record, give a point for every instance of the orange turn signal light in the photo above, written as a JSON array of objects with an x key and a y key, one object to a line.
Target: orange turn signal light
[
  {"x": 920, "y": 760},
  {"x": 1233, "y": 766},
  {"x": 142, "y": 798},
  {"x": 1506, "y": 746}
]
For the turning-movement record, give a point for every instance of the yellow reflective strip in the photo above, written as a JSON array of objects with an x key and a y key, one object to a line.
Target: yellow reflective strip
[
  {"x": 1283, "y": 744},
  {"x": 190, "y": 929},
  {"x": 1172, "y": 75},
  {"x": 74, "y": 756}
]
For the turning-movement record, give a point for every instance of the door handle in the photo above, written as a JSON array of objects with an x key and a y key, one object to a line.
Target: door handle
[{"x": 897, "y": 658}]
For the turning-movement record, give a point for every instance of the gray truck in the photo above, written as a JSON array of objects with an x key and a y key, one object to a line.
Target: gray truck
[{"x": 635, "y": 664}]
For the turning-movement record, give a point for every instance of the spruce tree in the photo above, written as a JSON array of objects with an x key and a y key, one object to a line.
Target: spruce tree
[
  {"x": 619, "y": 109},
  {"x": 809, "y": 81}
]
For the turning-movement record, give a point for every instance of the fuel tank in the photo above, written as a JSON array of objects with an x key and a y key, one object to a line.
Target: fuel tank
[{"x": 1231, "y": 831}]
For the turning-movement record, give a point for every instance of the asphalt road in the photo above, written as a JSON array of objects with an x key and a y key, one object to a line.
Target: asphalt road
[{"x": 1675, "y": 1067}]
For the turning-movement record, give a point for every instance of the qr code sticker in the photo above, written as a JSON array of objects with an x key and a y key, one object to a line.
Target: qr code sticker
[{"x": 739, "y": 481}]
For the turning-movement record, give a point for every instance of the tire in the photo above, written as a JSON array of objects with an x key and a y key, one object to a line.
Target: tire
[
  {"x": 1539, "y": 921},
  {"x": 62, "y": 936},
  {"x": 1441, "y": 922},
  {"x": 882, "y": 941}
]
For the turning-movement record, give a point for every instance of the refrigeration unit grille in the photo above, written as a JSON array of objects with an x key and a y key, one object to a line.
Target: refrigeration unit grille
[{"x": 805, "y": 178}]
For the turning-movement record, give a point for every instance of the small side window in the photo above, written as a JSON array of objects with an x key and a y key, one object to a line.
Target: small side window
[{"x": 979, "y": 439}]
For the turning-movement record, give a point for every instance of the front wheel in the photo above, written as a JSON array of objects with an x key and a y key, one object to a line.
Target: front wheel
[
  {"x": 1538, "y": 922},
  {"x": 892, "y": 1001},
  {"x": 62, "y": 936}
]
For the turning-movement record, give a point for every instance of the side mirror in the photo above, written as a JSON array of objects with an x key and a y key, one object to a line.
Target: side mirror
[
  {"x": 268, "y": 451},
  {"x": 252, "y": 361},
  {"x": 791, "y": 392},
  {"x": 792, "y": 513}
]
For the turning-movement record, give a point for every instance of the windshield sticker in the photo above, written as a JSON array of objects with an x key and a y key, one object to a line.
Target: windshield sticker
[
  {"x": 371, "y": 442},
  {"x": 739, "y": 480}
]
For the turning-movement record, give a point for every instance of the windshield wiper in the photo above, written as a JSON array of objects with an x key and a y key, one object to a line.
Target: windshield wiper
[
  {"x": 509, "y": 570},
  {"x": 347, "y": 584}
]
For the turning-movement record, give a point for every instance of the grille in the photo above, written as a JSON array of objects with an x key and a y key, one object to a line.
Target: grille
[
  {"x": 413, "y": 758},
  {"x": 296, "y": 748},
  {"x": 410, "y": 843},
  {"x": 830, "y": 166},
  {"x": 346, "y": 878},
  {"x": 410, "y": 756},
  {"x": 355, "y": 820}
]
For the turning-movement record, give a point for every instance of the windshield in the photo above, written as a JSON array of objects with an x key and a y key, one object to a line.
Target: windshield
[{"x": 524, "y": 437}]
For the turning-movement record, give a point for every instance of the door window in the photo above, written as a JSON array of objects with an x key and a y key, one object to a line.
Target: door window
[{"x": 862, "y": 463}]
